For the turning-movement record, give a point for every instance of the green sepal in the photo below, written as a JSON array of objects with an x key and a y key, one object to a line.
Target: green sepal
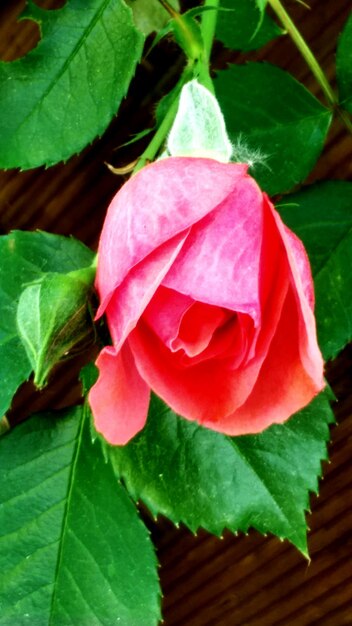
[{"x": 199, "y": 127}]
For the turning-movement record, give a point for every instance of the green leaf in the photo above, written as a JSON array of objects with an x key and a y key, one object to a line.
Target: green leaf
[
  {"x": 344, "y": 66},
  {"x": 25, "y": 258},
  {"x": 321, "y": 216},
  {"x": 205, "y": 479},
  {"x": 53, "y": 315},
  {"x": 63, "y": 94},
  {"x": 137, "y": 137},
  {"x": 88, "y": 376},
  {"x": 15, "y": 368},
  {"x": 245, "y": 27},
  {"x": 269, "y": 113},
  {"x": 149, "y": 15},
  {"x": 72, "y": 547}
]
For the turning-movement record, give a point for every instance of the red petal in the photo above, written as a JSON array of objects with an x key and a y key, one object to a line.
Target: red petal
[
  {"x": 220, "y": 261},
  {"x": 133, "y": 295},
  {"x": 302, "y": 284},
  {"x": 120, "y": 398},
  {"x": 283, "y": 385},
  {"x": 162, "y": 200},
  {"x": 213, "y": 389}
]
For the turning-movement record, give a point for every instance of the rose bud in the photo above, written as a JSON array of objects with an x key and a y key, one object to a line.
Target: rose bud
[{"x": 209, "y": 301}]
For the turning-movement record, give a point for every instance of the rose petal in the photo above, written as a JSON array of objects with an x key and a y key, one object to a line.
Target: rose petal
[
  {"x": 220, "y": 262},
  {"x": 182, "y": 323},
  {"x": 213, "y": 389},
  {"x": 283, "y": 386},
  {"x": 133, "y": 295},
  {"x": 303, "y": 289},
  {"x": 240, "y": 349},
  {"x": 302, "y": 263},
  {"x": 164, "y": 313},
  {"x": 162, "y": 200},
  {"x": 206, "y": 390},
  {"x": 201, "y": 331},
  {"x": 120, "y": 397},
  {"x": 209, "y": 389},
  {"x": 198, "y": 326}
]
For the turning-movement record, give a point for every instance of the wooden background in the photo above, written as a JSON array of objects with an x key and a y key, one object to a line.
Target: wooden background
[{"x": 238, "y": 581}]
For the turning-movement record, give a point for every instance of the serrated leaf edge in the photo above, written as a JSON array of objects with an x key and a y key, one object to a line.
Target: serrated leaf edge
[{"x": 156, "y": 512}]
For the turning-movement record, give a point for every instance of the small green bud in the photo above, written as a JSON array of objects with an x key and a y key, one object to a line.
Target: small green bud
[{"x": 53, "y": 315}]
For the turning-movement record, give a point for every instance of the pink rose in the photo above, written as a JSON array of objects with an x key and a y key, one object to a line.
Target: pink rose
[{"x": 209, "y": 301}]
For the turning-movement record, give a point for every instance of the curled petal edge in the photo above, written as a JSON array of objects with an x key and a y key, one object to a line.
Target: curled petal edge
[{"x": 120, "y": 398}]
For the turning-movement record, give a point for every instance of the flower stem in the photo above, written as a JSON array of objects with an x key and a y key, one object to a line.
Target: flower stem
[
  {"x": 208, "y": 26},
  {"x": 161, "y": 133},
  {"x": 310, "y": 60},
  {"x": 154, "y": 146},
  {"x": 195, "y": 68}
]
